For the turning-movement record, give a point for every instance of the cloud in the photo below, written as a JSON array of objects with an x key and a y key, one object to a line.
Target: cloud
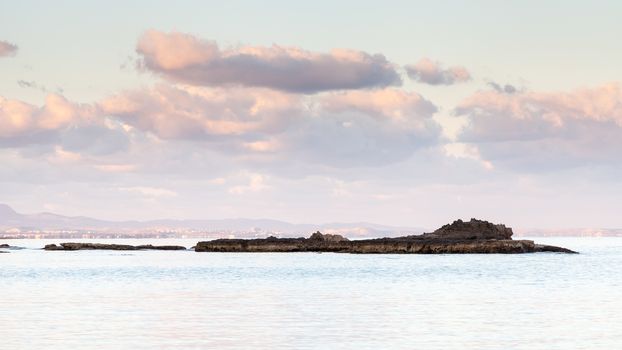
[
  {"x": 366, "y": 128},
  {"x": 30, "y": 84},
  {"x": 188, "y": 59},
  {"x": 248, "y": 136},
  {"x": 256, "y": 127},
  {"x": 59, "y": 122},
  {"x": 546, "y": 130},
  {"x": 467, "y": 151},
  {"x": 95, "y": 139},
  {"x": 353, "y": 128},
  {"x": 19, "y": 118},
  {"x": 507, "y": 88},
  {"x": 256, "y": 183},
  {"x": 431, "y": 72},
  {"x": 186, "y": 112},
  {"x": 36, "y": 86},
  {"x": 270, "y": 145},
  {"x": 7, "y": 49},
  {"x": 396, "y": 105}
]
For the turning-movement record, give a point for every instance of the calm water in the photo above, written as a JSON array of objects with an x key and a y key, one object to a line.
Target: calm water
[{"x": 183, "y": 299}]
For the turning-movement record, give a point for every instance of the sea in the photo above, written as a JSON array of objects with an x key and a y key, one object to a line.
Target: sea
[{"x": 189, "y": 300}]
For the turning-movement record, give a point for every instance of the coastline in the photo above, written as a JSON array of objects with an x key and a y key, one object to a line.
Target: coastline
[{"x": 459, "y": 237}]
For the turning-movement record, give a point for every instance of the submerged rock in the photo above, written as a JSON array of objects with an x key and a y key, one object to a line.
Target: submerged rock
[
  {"x": 475, "y": 236},
  {"x": 10, "y": 247},
  {"x": 102, "y": 246}
]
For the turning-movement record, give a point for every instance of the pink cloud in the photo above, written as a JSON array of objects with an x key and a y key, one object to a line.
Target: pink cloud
[
  {"x": 185, "y": 58},
  {"x": 17, "y": 117},
  {"x": 7, "y": 49},
  {"x": 187, "y": 112},
  {"x": 394, "y": 104},
  {"x": 431, "y": 72},
  {"x": 251, "y": 125},
  {"x": 343, "y": 129},
  {"x": 59, "y": 124},
  {"x": 534, "y": 114},
  {"x": 546, "y": 129}
]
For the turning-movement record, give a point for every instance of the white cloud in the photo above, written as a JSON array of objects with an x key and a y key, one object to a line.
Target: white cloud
[
  {"x": 116, "y": 168},
  {"x": 468, "y": 151},
  {"x": 256, "y": 183}
]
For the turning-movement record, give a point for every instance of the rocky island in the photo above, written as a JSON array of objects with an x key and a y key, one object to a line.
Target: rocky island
[
  {"x": 459, "y": 237},
  {"x": 101, "y": 246}
]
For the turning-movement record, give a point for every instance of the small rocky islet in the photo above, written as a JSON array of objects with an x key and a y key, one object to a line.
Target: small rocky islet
[
  {"x": 460, "y": 237},
  {"x": 103, "y": 246}
]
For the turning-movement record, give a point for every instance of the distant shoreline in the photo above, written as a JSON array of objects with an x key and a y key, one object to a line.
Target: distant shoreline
[{"x": 459, "y": 237}]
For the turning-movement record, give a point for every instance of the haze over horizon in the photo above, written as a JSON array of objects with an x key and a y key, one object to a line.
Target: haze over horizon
[
  {"x": 56, "y": 225},
  {"x": 405, "y": 115}
]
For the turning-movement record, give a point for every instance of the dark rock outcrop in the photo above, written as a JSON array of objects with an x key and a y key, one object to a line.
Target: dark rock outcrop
[
  {"x": 100, "y": 246},
  {"x": 460, "y": 237},
  {"x": 4, "y": 245},
  {"x": 319, "y": 237},
  {"x": 474, "y": 229}
]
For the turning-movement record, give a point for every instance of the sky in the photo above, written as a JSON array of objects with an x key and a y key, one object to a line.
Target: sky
[{"x": 409, "y": 113}]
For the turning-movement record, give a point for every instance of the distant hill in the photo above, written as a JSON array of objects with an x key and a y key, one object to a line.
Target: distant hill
[{"x": 11, "y": 221}]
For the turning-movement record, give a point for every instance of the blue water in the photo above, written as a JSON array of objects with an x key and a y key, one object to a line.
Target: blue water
[{"x": 185, "y": 300}]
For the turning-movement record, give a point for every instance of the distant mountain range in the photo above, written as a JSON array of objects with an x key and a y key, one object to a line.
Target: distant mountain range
[{"x": 12, "y": 222}]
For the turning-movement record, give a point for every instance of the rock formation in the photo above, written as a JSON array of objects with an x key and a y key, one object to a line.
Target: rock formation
[
  {"x": 319, "y": 237},
  {"x": 460, "y": 237},
  {"x": 100, "y": 246},
  {"x": 4, "y": 246},
  {"x": 474, "y": 229}
]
